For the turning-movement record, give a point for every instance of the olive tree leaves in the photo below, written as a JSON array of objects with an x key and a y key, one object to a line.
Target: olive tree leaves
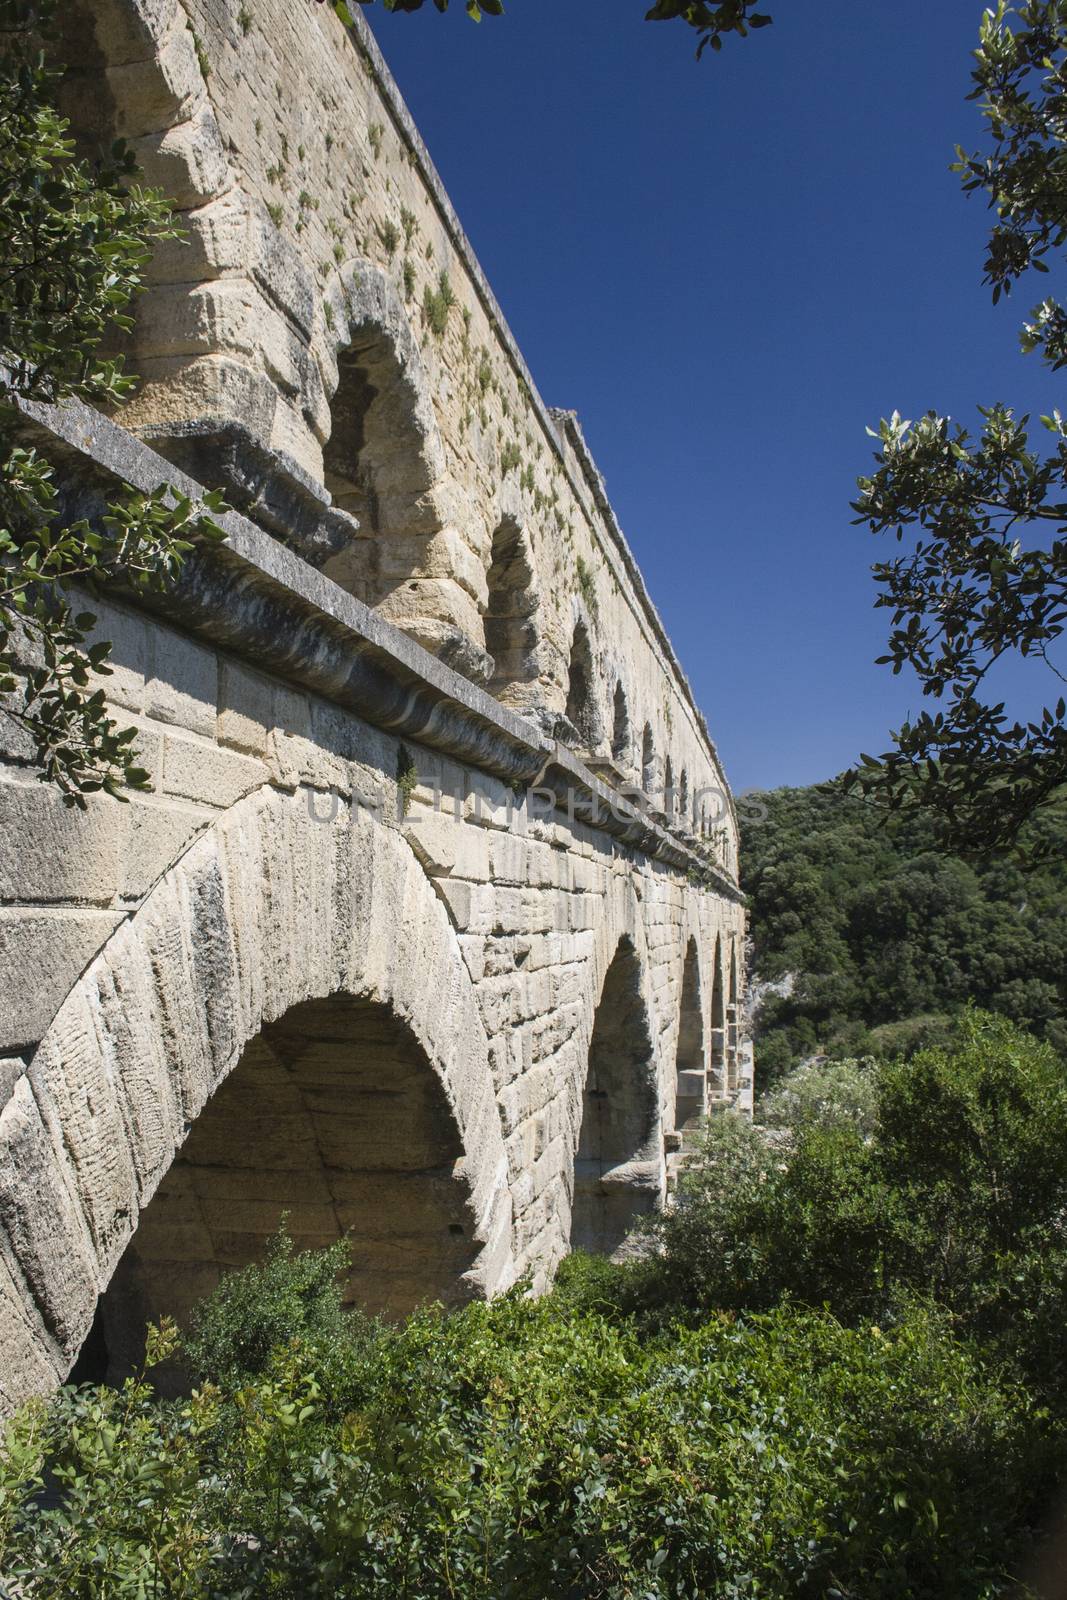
[
  {"x": 711, "y": 22},
  {"x": 984, "y": 517},
  {"x": 74, "y": 243}
]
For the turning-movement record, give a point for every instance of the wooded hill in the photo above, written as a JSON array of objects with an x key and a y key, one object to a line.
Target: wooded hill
[{"x": 878, "y": 938}]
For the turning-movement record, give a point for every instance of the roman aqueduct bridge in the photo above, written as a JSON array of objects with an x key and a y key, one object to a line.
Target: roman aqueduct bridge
[{"x": 429, "y": 931}]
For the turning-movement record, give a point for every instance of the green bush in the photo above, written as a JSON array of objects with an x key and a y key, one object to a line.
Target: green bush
[
  {"x": 524, "y": 1449},
  {"x": 824, "y": 1093},
  {"x": 950, "y": 1185},
  {"x": 839, "y": 1372},
  {"x": 263, "y": 1306}
]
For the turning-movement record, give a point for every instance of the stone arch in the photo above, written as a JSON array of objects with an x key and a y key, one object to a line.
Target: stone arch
[
  {"x": 384, "y": 469},
  {"x": 269, "y": 911},
  {"x": 512, "y": 634},
  {"x": 616, "y": 1176},
  {"x": 733, "y": 1023},
  {"x": 383, "y": 456},
  {"x": 690, "y": 1070},
  {"x": 718, "y": 1025},
  {"x": 620, "y": 729},
  {"x": 683, "y": 799},
  {"x": 334, "y": 1120},
  {"x": 668, "y": 788},
  {"x": 582, "y": 712}
]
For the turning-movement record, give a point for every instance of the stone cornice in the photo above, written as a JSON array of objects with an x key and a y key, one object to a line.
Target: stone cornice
[{"x": 256, "y": 597}]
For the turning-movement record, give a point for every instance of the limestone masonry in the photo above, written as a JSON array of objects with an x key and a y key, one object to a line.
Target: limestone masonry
[{"x": 429, "y": 931}]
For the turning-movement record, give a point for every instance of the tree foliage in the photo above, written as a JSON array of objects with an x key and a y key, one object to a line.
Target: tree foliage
[
  {"x": 874, "y": 938},
  {"x": 951, "y": 1191},
  {"x": 711, "y": 22},
  {"x": 984, "y": 515},
  {"x": 75, "y": 238}
]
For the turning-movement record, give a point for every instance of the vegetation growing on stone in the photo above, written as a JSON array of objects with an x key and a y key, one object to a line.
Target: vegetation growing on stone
[
  {"x": 437, "y": 303},
  {"x": 75, "y": 240}
]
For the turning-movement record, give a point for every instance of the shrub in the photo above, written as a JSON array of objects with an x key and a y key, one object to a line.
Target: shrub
[
  {"x": 522, "y": 1449},
  {"x": 254, "y": 1311},
  {"x": 958, "y": 1193},
  {"x": 822, "y": 1093}
]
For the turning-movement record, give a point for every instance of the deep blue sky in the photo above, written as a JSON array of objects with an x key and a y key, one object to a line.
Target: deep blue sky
[{"x": 729, "y": 269}]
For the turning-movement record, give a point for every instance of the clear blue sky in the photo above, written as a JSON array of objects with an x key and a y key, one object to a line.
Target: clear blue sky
[{"x": 729, "y": 269}]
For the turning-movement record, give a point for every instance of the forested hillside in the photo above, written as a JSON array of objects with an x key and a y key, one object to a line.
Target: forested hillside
[{"x": 873, "y": 937}]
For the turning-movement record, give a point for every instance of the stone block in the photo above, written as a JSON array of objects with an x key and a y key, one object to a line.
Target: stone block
[
  {"x": 42, "y": 955},
  {"x": 50, "y": 852},
  {"x": 215, "y": 243},
  {"x": 158, "y": 91},
  {"x": 471, "y": 854},
  {"x": 434, "y": 840},
  {"x": 44, "y": 1228},
  {"x": 29, "y": 1361},
  {"x": 187, "y": 161},
  {"x": 207, "y": 774},
  {"x": 246, "y": 708},
  {"x": 126, "y": 633},
  {"x": 183, "y": 686},
  {"x": 188, "y": 319},
  {"x": 155, "y": 833}
]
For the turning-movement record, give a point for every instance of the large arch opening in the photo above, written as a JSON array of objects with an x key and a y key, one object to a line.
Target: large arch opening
[
  {"x": 691, "y": 1078},
  {"x": 333, "y": 1119},
  {"x": 581, "y": 710},
  {"x": 376, "y": 468},
  {"x": 615, "y": 1174},
  {"x": 733, "y": 1025},
  {"x": 510, "y": 631}
]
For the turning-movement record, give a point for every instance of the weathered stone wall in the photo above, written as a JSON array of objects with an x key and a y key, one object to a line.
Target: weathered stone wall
[
  {"x": 324, "y": 342},
  {"x": 391, "y": 945}
]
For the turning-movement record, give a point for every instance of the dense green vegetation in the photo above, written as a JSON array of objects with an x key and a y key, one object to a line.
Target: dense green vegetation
[
  {"x": 839, "y": 1374},
  {"x": 887, "y": 937}
]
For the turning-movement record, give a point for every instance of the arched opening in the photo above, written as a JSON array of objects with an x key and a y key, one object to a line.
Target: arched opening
[
  {"x": 691, "y": 1081},
  {"x": 668, "y": 787},
  {"x": 733, "y": 1026},
  {"x": 615, "y": 1175},
  {"x": 718, "y": 1027},
  {"x": 683, "y": 798},
  {"x": 334, "y": 1118},
  {"x": 376, "y": 468},
  {"x": 581, "y": 699},
  {"x": 620, "y": 731},
  {"x": 648, "y": 760},
  {"x": 510, "y": 633}
]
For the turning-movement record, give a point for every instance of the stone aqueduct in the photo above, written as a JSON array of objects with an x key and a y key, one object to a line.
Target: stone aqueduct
[{"x": 429, "y": 930}]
